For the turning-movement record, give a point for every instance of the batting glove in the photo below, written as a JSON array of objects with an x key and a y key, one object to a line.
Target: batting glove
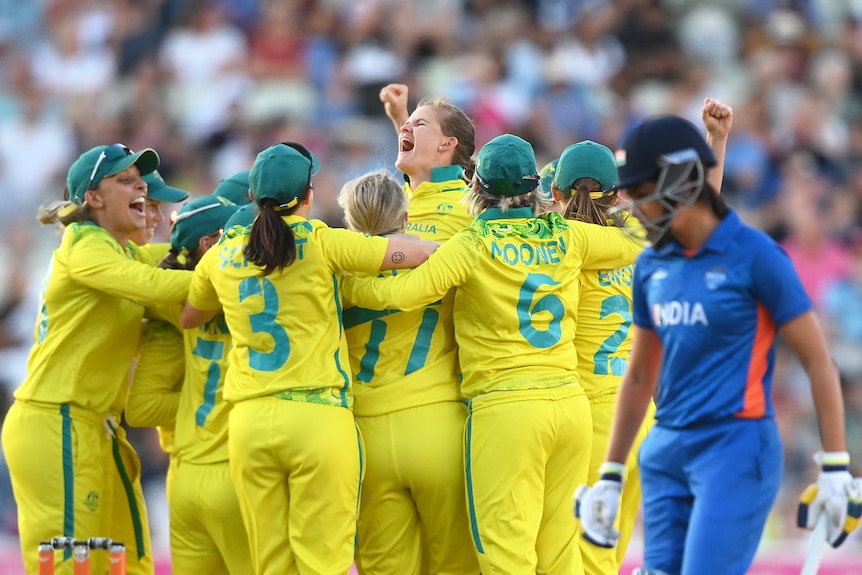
[
  {"x": 597, "y": 506},
  {"x": 836, "y": 494}
]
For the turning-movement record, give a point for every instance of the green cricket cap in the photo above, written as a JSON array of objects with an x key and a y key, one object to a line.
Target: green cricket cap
[
  {"x": 200, "y": 217},
  {"x": 235, "y": 188},
  {"x": 102, "y": 161},
  {"x": 283, "y": 173},
  {"x": 506, "y": 166},
  {"x": 586, "y": 159},
  {"x": 160, "y": 191}
]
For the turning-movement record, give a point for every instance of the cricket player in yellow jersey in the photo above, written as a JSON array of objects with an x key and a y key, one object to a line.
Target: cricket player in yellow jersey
[
  {"x": 130, "y": 523},
  {"x": 158, "y": 373},
  {"x": 293, "y": 445},
  {"x": 528, "y": 435},
  {"x": 585, "y": 184},
  {"x": 86, "y": 334},
  {"x": 207, "y": 533},
  {"x": 408, "y": 404},
  {"x": 410, "y": 411}
]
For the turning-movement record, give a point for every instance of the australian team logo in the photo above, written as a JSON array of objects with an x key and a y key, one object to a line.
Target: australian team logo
[
  {"x": 91, "y": 501},
  {"x": 445, "y": 208}
]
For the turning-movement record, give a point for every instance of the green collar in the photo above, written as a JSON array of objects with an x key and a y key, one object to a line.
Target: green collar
[
  {"x": 446, "y": 173},
  {"x": 514, "y": 213},
  {"x": 443, "y": 174}
]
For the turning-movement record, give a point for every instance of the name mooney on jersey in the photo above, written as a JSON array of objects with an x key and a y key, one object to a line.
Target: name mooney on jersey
[{"x": 517, "y": 253}]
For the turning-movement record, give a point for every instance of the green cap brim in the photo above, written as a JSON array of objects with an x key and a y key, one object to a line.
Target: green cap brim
[{"x": 168, "y": 194}]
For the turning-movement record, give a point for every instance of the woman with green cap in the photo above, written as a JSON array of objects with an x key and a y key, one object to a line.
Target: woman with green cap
[
  {"x": 92, "y": 304},
  {"x": 206, "y": 530},
  {"x": 528, "y": 433},
  {"x": 130, "y": 521},
  {"x": 295, "y": 453}
]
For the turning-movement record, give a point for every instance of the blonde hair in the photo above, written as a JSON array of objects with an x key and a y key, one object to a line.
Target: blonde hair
[
  {"x": 478, "y": 200},
  {"x": 579, "y": 205},
  {"x": 64, "y": 212},
  {"x": 374, "y": 203}
]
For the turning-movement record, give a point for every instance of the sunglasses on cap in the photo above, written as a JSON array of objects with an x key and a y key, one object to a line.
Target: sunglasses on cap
[
  {"x": 112, "y": 152},
  {"x": 513, "y": 188}
]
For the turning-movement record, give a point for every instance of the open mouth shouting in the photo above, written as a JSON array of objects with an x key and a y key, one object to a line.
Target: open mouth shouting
[
  {"x": 405, "y": 143},
  {"x": 138, "y": 205}
]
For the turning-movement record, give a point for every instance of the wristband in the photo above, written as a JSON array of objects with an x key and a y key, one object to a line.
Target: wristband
[
  {"x": 833, "y": 460},
  {"x": 612, "y": 471}
]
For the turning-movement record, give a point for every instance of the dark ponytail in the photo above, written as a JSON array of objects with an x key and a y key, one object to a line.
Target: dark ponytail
[
  {"x": 271, "y": 243},
  {"x": 710, "y": 197},
  {"x": 171, "y": 261}
]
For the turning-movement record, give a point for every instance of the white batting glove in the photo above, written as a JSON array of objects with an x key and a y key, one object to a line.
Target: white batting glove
[
  {"x": 836, "y": 494},
  {"x": 597, "y": 506}
]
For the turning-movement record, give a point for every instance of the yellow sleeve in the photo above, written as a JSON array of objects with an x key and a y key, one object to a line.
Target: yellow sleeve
[
  {"x": 95, "y": 263},
  {"x": 448, "y": 267},
  {"x": 158, "y": 376},
  {"x": 202, "y": 294},
  {"x": 604, "y": 247},
  {"x": 151, "y": 254},
  {"x": 349, "y": 250}
]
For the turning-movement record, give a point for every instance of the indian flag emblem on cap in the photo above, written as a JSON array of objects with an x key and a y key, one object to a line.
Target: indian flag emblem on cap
[{"x": 620, "y": 158}]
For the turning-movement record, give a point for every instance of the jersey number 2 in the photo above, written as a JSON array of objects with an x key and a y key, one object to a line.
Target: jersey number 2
[{"x": 613, "y": 305}]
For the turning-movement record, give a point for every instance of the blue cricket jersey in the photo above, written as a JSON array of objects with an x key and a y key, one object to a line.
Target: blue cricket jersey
[{"x": 716, "y": 313}]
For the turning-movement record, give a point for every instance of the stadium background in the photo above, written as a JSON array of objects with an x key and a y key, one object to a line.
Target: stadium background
[{"x": 208, "y": 83}]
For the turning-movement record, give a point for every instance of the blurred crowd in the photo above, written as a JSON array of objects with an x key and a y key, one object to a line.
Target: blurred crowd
[{"x": 209, "y": 83}]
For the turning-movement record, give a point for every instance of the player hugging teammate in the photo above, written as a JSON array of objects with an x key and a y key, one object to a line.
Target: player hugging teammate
[{"x": 431, "y": 404}]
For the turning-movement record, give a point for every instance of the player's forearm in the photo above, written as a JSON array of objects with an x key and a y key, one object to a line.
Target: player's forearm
[
  {"x": 718, "y": 144},
  {"x": 826, "y": 391},
  {"x": 404, "y": 252},
  {"x": 632, "y": 404},
  {"x": 152, "y": 409}
]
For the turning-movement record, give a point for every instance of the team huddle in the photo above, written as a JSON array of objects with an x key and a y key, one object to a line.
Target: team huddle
[{"x": 488, "y": 370}]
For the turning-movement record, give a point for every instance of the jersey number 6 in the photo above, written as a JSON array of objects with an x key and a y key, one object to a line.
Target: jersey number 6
[{"x": 548, "y": 304}]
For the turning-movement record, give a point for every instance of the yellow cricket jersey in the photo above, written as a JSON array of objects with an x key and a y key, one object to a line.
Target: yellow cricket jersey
[
  {"x": 287, "y": 327},
  {"x": 158, "y": 378},
  {"x": 513, "y": 272},
  {"x": 603, "y": 338},
  {"x": 407, "y": 359},
  {"x": 149, "y": 253},
  {"x": 202, "y": 417},
  {"x": 437, "y": 209},
  {"x": 89, "y": 321}
]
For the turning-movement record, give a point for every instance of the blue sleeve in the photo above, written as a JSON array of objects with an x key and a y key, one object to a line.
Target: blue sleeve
[
  {"x": 775, "y": 283},
  {"x": 640, "y": 307}
]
